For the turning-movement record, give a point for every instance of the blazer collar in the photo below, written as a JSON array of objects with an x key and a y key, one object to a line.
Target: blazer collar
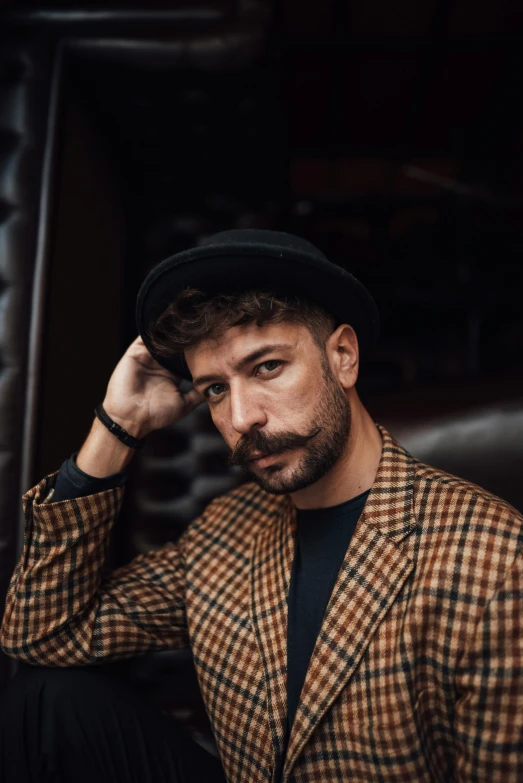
[{"x": 373, "y": 572}]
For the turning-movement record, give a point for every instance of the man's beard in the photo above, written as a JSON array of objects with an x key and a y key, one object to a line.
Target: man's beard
[{"x": 324, "y": 444}]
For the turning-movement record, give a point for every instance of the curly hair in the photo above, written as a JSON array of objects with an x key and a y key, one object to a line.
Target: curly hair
[{"x": 194, "y": 317}]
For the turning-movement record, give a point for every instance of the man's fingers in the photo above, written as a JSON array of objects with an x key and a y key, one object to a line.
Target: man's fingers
[{"x": 193, "y": 398}]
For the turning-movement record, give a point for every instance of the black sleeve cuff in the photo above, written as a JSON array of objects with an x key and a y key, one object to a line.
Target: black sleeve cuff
[{"x": 72, "y": 482}]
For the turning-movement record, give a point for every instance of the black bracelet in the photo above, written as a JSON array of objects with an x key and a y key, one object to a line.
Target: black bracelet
[{"x": 115, "y": 428}]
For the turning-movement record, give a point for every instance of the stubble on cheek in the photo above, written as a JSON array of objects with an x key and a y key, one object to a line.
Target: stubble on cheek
[{"x": 295, "y": 409}]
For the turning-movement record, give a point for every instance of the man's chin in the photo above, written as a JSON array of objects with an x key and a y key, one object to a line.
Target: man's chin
[
  {"x": 272, "y": 478},
  {"x": 273, "y": 487},
  {"x": 280, "y": 479}
]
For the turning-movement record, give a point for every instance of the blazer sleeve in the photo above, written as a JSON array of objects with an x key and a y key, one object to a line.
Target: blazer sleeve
[
  {"x": 488, "y": 725},
  {"x": 64, "y": 609}
]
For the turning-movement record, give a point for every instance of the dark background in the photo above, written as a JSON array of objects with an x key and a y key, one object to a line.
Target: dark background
[{"x": 389, "y": 134}]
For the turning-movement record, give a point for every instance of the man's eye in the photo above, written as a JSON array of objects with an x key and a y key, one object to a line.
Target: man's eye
[
  {"x": 270, "y": 365},
  {"x": 214, "y": 390}
]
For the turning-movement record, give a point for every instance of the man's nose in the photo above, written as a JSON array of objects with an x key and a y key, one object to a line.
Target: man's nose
[{"x": 246, "y": 411}]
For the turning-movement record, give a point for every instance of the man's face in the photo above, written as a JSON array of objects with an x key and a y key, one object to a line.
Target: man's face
[{"x": 275, "y": 401}]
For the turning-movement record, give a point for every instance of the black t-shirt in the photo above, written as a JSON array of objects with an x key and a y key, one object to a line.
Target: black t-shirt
[{"x": 323, "y": 537}]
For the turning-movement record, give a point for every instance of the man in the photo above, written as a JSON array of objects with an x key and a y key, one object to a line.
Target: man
[{"x": 353, "y": 613}]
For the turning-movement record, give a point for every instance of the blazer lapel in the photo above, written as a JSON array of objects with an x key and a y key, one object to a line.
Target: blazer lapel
[
  {"x": 270, "y": 577},
  {"x": 373, "y": 572}
]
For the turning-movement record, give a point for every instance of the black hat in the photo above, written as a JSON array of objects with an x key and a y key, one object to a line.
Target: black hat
[{"x": 243, "y": 259}]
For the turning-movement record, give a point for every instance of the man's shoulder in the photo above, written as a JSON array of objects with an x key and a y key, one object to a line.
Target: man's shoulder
[
  {"x": 461, "y": 494},
  {"x": 463, "y": 518}
]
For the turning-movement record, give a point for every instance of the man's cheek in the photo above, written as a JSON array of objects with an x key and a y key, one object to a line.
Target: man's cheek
[{"x": 297, "y": 403}]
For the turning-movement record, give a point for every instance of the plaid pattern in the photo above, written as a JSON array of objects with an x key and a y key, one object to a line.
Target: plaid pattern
[{"x": 417, "y": 674}]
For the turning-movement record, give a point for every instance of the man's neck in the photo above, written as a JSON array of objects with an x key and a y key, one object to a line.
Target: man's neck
[{"x": 354, "y": 472}]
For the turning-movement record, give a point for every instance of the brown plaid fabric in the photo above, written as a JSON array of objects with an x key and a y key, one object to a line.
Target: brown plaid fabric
[{"x": 417, "y": 674}]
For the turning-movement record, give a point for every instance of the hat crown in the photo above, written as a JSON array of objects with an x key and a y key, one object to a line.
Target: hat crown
[
  {"x": 245, "y": 259},
  {"x": 262, "y": 236}
]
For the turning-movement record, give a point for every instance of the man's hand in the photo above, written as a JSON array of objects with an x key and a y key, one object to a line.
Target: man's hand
[{"x": 142, "y": 396}]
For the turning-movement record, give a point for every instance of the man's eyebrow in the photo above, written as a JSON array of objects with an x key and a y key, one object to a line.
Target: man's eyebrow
[{"x": 251, "y": 357}]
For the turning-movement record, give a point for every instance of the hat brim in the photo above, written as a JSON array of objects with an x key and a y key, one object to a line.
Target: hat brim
[{"x": 244, "y": 266}]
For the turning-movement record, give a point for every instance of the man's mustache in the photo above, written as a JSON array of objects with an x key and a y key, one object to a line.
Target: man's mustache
[{"x": 260, "y": 443}]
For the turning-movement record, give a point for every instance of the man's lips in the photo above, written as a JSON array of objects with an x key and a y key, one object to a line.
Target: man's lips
[{"x": 265, "y": 459}]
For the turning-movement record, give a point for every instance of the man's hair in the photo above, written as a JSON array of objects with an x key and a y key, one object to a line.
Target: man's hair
[{"x": 194, "y": 317}]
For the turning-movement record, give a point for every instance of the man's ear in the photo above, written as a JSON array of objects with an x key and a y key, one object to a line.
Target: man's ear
[{"x": 343, "y": 353}]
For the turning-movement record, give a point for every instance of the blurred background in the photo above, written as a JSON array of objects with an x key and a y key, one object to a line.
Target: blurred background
[{"x": 389, "y": 134}]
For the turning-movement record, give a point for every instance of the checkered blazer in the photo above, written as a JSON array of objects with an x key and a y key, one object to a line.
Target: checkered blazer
[{"x": 417, "y": 673}]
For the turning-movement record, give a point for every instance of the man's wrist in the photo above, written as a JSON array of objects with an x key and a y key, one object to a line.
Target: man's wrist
[
  {"x": 116, "y": 429},
  {"x": 134, "y": 427},
  {"x": 102, "y": 453}
]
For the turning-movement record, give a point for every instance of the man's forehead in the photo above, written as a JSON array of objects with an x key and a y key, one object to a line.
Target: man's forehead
[{"x": 238, "y": 342}]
